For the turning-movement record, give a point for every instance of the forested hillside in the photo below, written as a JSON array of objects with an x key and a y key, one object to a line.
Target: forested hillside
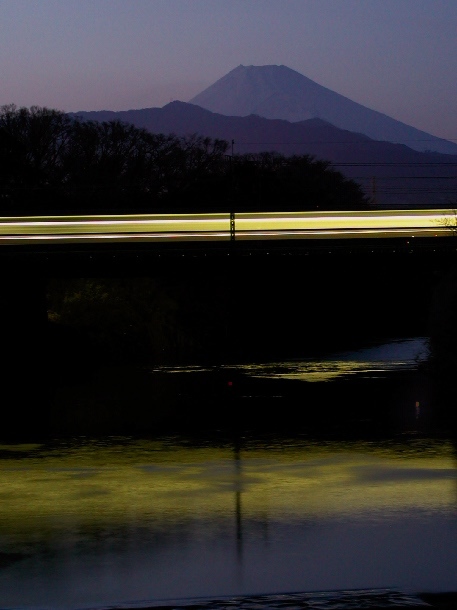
[{"x": 52, "y": 163}]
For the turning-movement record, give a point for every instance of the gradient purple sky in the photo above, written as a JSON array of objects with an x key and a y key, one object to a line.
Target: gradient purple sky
[{"x": 395, "y": 56}]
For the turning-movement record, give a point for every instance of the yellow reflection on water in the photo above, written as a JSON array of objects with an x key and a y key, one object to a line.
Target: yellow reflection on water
[
  {"x": 400, "y": 354},
  {"x": 120, "y": 483},
  {"x": 324, "y": 370},
  {"x": 397, "y": 355}
]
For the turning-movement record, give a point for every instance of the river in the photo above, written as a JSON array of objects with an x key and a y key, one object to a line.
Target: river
[{"x": 91, "y": 522}]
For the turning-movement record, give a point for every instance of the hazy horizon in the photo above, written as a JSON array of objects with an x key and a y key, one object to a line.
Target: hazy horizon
[{"x": 393, "y": 56}]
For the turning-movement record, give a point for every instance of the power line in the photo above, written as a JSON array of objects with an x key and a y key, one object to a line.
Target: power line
[
  {"x": 369, "y": 141},
  {"x": 392, "y": 164}
]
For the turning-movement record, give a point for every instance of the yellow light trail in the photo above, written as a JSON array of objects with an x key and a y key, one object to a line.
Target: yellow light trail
[{"x": 248, "y": 226}]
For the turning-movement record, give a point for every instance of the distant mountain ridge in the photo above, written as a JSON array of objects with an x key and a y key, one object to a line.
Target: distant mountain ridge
[
  {"x": 278, "y": 92},
  {"x": 393, "y": 174},
  {"x": 254, "y": 133}
]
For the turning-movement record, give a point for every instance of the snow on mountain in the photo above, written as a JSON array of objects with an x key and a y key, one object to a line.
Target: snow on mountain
[{"x": 278, "y": 92}]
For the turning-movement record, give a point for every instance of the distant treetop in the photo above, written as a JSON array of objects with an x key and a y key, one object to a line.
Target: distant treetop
[{"x": 53, "y": 163}]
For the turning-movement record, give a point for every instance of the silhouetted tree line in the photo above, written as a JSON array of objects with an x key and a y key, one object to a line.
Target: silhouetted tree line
[{"x": 51, "y": 162}]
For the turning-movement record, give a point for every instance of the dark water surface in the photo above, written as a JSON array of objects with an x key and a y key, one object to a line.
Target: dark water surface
[{"x": 91, "y": 522}]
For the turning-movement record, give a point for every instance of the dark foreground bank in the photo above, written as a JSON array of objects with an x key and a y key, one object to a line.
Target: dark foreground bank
[
  {"x": 442, "y": 601},
  {"x": 376, "y": 599},
  {"x": 130, "y": 401}
]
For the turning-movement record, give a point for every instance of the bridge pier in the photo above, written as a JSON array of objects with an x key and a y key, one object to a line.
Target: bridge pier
[{"x": 23, "y": 372}]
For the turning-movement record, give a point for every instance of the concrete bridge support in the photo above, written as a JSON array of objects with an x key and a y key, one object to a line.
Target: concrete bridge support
[{"x": 23, "y": 369}]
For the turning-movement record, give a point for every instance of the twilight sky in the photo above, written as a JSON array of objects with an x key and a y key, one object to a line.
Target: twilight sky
[{"x": 395, "y": 56}]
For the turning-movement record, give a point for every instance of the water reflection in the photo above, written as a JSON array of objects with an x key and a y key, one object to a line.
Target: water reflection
[
  {"x": 88, "y": 523},
  {"x": 394, "y": 356},
  {"x": 401, "y": 354}
]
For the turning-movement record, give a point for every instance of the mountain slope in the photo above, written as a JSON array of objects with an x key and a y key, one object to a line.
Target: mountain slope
[
  {"x": 395, "y": 174},
  {"x": 278, "y": 92}
]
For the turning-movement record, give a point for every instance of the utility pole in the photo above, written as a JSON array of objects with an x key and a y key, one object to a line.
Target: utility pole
[{"x": 232, "y": 214}]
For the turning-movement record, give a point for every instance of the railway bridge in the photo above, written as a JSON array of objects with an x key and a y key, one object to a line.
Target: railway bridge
[{"x": 274, "y": 268}]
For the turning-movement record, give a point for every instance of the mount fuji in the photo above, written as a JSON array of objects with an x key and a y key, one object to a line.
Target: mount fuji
[{"x": 278, "y": 92}]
